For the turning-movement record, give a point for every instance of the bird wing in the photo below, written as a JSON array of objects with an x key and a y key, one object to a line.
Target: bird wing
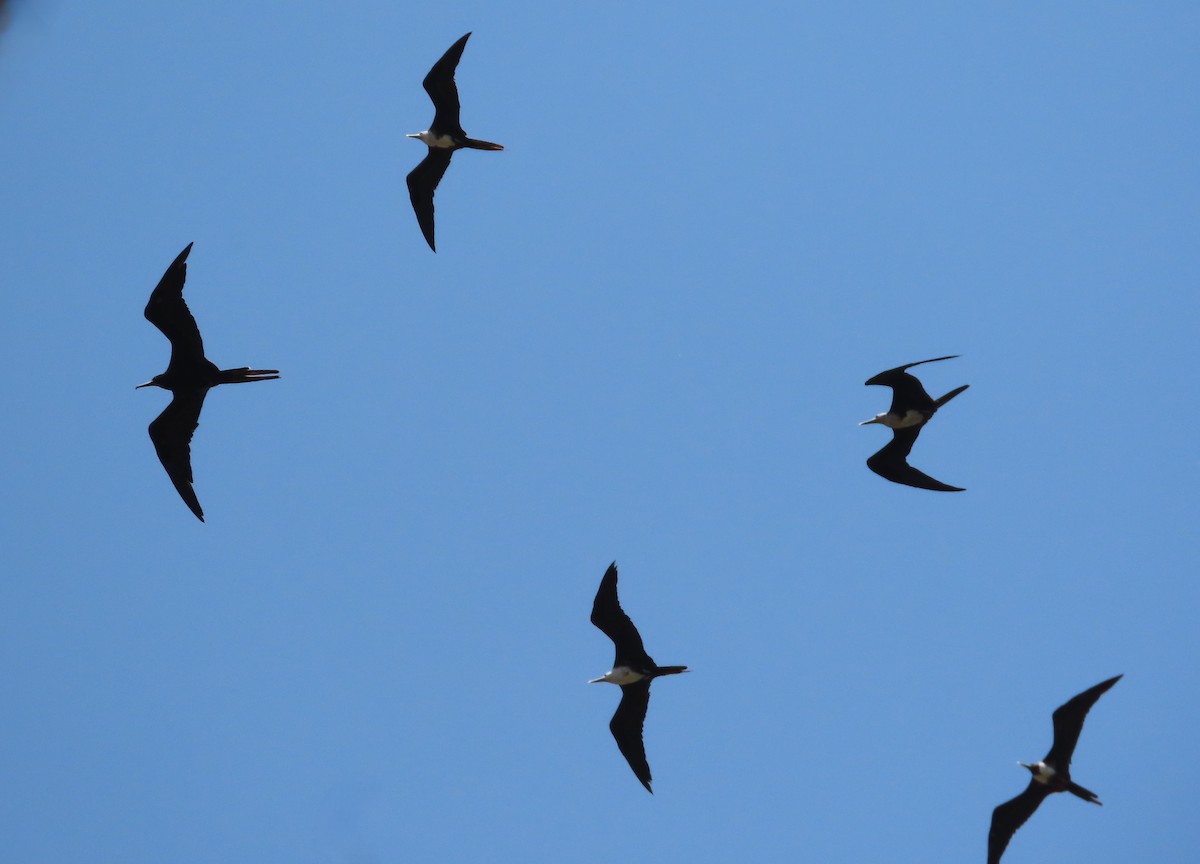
[
  {"x": 442, "y": 90},
  {"x": 1011, "y": 815},
  {"x": 907, "y": 391},
  {"x": 171, "y": 433},
  {"x": 608, "y": 615},
  {"x": 167, "y": 311},
  {"x": 1068, "y": 723},
  {"x": 891, "y": 462},
  {"x": 626, "y": 727},
  {"x": 422, "y": 181}
]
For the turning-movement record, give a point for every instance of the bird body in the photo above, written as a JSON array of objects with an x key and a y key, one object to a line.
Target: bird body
[
  {"x": 1051, "y": 775},
  {"x": 443, "y": 137},
  {"x": 633, "y": 670},
  {"x": 911, "y": 409},
  {"x": 619, "y": 675},
  {"x": 908, "y": 419},
  {"x": 189, "y": 377}
]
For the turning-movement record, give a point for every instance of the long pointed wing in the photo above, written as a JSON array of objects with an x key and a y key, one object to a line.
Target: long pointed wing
[
  {"x": 171, "y": 433},
  {"x": 1068, "y": 723},
  {"x": 626, "y": 727},
  {"x": 891, "y": 463},
  {"x": 167, "y": 311},
  {"x": 608, "y": 615},
  {"x": 440, "y": 86},
  {"x": 1011, "y": 815},
  {"x": 422, "y": 181},
  {"x": 907, "y": 391}
]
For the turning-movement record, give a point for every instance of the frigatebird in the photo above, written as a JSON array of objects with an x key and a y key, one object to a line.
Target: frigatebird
[
  {"x": 1052, "y": 774},
  {"x": 633, "y": 670},
  {"x": 911, "y": 409},
  {"x": 443, "y": 137},
  {"x": 189, "y": 377}
]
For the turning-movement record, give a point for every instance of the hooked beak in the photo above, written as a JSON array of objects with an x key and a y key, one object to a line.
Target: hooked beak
[
  {"x": 147, "y": 384},
  {"x": 599, "y": 680},
  {"x": 412, "y": 136},
  {"x": 1026, "y": 766},
  {"x": 875, "y": 419}
]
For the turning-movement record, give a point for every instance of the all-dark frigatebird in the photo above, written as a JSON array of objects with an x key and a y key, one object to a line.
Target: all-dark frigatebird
[
  {"x": 633, "y": 670},
  {"x": 911, "y": 409},
  {"x": 189, "y": 377},
  {"x": 443, "y": 137},
  {"x": 1052, "y": 774}
]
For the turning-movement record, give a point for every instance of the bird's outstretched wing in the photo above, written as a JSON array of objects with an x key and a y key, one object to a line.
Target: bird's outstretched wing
[
  {"x": 1011, "y": 815},
  {"x": 440, "y": 86},
  {"x": 167, "y": 311},
  {"x": 422, "y": 181},
  {"x": 626, "y": 727},
  {"x": 171, "y": 433},
  {"x": 891, "y": 463},
  {"x": 907, "y": 391},
  {"x": 1068, "y": 723},
  {"x": 608, "y": 615}
]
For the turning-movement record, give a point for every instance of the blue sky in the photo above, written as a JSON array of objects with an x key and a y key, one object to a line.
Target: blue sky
[{"x": 644, "y": 337}]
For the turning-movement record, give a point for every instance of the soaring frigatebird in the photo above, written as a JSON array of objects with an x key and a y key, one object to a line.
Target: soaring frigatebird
[
  {"x": 1052, "y": 774},
  {"x": 633, "y": 670},
  {"x": 443, "y": 137},
  {"x": 189, "y": 377},
  {"x": 911, "y": 409}
]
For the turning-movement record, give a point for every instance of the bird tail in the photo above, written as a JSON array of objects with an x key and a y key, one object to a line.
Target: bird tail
[
  {"x": 246, "y": 374},
  {"x": 938, "y": 403},
  {"x": 1077, "y": 790},
  {"x": 669, "y": 670},
  {"x": 476, "y": 144}
]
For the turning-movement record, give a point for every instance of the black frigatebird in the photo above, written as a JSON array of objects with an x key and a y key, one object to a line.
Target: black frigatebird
[
  {"x": 443, "y": 137},
  {"x": 1052, "y": 774},
  {"x": 189, "y": 377},
  {"x": 633, "y": 670},
  {"x": 911, "y": 409}
]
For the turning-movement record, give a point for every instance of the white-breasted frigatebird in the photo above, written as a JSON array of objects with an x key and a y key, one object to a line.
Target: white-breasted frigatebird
[
  {"x": 633, "y": 670},
  {"x": 1052, "y": 774},
  {"x": 911, "y": 409},
  {"x": 189, "y": 377},
  {"x": 443, "y": 137}
]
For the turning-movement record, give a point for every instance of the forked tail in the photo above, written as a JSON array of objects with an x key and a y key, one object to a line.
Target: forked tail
[
  {"x": 246, "y": 374},
  {"x": 1076, "y": 789},
  {"x": 476, "y": 144},
  {"x": 938, "y": 403}
]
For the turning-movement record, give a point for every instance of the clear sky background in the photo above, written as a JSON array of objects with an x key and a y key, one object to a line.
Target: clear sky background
[{"x": 644, "y": 338}]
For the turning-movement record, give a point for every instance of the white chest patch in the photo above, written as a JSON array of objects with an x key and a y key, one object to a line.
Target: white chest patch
[
  {"x": 442, "y": 141},
  {"x": 622, "y": 675},
  {"x": 910, "y": 418},
  {"x": 1045, "y": 773}
]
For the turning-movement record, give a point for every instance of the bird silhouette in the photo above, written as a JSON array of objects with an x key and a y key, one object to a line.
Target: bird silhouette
[
  {"x": 1052, "y": 774},
  {"x": 911, "y": 409},
  {"x": 189, "y": 377},
  {"x": 443, "y": 137},
  {"x": 633, "y": 670}
]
